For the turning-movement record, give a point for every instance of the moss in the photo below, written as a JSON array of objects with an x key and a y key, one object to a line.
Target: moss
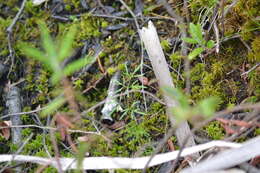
[
  {"x": 78, "y": 84},
  {"x": 49, "y": 170},
  {"x": 254, "y": 84},
  {"x": 72, "y": 5},
  {"x": 37, "y": 82},
  {"x": 135, "y": 134},
  {"x": 207, "y": 82},
  {"x": 257, "y": 131},
  {"x": 199, "y": 5},
  {"x": 165, "y": 45},
  {"x": 88, "y": 27},
  {"x": 248, "y": 13},
  {"x": 197, "y": 73},
  {"x": 254, "y": 55},
  {"x": 4, "y": 23},
  {"x": 214, "y": 130}
]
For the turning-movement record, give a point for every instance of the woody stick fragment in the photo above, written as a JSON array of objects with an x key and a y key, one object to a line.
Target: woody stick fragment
[{"x": 153, "y": 47}]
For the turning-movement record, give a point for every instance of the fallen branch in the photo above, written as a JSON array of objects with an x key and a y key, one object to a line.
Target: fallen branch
[
  {"x": 228, "y": 158},
  {"x": 93, "y": 163}
]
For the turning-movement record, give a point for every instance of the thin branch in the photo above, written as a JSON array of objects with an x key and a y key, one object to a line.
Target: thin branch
[
  {"x": 17, "y": 152},
  {"x": 228, "y": 158},
  {"x": 9, "y": 31},
  {"x": 10, "y": 28},
  {"x": 251, "y": 69},
  {"x": 50, "y": 128},
  {"x": 93, "y": 163},
  {"x": 22, "y": 113}
]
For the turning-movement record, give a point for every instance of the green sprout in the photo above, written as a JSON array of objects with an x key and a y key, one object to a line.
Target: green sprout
[
  {"x": 52, "y": 56},
  {"x": 195, "y": 31},
  {"x": 184, "y": 111}
]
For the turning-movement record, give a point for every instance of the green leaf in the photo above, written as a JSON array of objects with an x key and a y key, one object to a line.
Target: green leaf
[
  {"x": 181, "y": 114},
  {"x": 195, "y": 53},
  {"x": 33, "y": 53},
  {"x": 210, "y": 44},
  {"x": 196, "y": 32},
  {"x": 47, "y": 42},
  {"x": 208, "y": 106},
  {"x": 53, "y": 106},
  {"x": 83, "y": 148},
  {"x": 66, "y": 44},
  {"x": 176, "y": 94},
  {"x": 56, "y": 77},
  {"x": 190, "y": 40},
  {"x": 77, "y": 65}
]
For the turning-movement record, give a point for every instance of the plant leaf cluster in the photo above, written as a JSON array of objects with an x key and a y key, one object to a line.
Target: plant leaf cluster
[
  {"x": 196, "y": 33},
  {"x": 184, "y": 111},
  {"x": 52, "y": 56}
]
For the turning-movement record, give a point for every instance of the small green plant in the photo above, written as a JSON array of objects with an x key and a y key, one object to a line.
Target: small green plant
[
  {"x": 195, "y": 31},
  {"x": 132, "y": 111},
  {"x": 52, "y": 56},
  {"x": 129, "y": 79},
  {"x": 184, "y": 111},
  {"x": 214, "y": 130}
]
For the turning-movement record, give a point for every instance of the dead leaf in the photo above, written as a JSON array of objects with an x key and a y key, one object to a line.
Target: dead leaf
[
  {"x": 116, "y": 125},
  {"x": 255, "y": 161},
  {"x": 143, "y": 80},
  {"x": 5, "y": 132},
  {"x": 170, "y": 145}
]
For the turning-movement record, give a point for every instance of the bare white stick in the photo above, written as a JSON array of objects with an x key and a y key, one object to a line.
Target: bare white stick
[
  {"x": 153, "y": 47},
  {"x": 228, "y": 158},
  {"x": 93, "y": 163},
  {"x": 217, "y": 35}
]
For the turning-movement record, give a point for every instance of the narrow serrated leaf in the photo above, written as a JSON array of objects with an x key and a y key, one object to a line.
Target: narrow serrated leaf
[
  {"x": 47, "y": 41},
  {"x": 53, "y": 106},
  {"x": 34, "y": 53},
  {"x": 76, "y": 65},
  {"x": 66, "y": 44}
]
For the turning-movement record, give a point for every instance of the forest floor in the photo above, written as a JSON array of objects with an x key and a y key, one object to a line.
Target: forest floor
[{"x": 78, "y": 80}]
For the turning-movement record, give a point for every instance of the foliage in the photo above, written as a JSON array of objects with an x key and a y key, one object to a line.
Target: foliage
[
  {"x": 53, "y": 55},
  {"x": 129, "y": 79},
  {"x": 195, "y": 31},
  {"x": 183, "y": 110},
  {"x": 216, "y": 75},
  {"x": 214, "y": 130}
]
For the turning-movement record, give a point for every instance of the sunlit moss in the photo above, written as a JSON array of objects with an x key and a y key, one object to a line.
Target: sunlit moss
[{"x": 214, "y": 130}]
